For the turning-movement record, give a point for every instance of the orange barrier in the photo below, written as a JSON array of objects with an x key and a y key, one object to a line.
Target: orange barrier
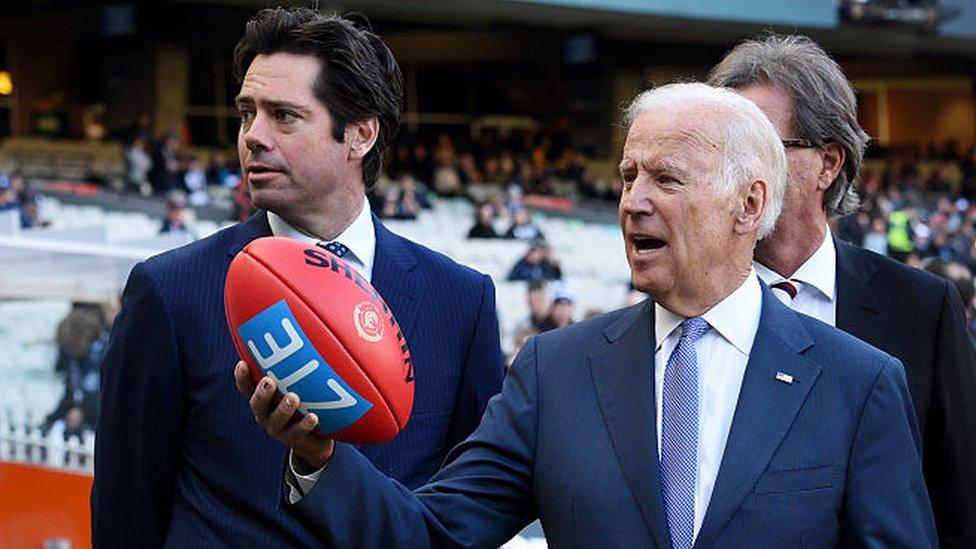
[{"x": 38, "y": 504}]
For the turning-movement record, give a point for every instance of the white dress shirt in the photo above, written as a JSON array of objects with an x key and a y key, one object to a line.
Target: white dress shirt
[
  {"x": 723, "y": 352},
  {"x": 359, "y": 237},
  {"x": 817, "y": 282}
]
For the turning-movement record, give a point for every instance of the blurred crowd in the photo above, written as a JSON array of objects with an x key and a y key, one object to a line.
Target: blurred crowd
[
  {"x": 919, "y": 206},
  {"x": 16, "y": 196},
  {"x": 537, "y": 161},
  {"x": 911, "y": 214},
  {"x": 921, "y": 209}
]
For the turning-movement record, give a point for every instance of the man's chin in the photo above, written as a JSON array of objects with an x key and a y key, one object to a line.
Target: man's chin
[
  {"x": 649, "y": 285},
  {"x": 267, "y": 199}
]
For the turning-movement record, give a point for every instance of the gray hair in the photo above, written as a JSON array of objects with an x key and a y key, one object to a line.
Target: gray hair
[
  {"x": 824, "y": 104},
  {"x": 751, "y": 148}
]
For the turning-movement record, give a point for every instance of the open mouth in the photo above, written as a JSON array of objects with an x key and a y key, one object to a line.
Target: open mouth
[
  {"x": 647, "y": 244},
  {"x": 259, "y": 170}
]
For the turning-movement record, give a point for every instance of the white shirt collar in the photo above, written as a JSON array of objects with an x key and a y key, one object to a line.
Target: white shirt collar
[
  {"x": 819, "y": 271},
  {"x": 359, "y": 237},
  {"x": 735, "y": 318}
]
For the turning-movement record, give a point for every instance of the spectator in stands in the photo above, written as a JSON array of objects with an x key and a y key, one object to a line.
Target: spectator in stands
[
  {"x": 560, "y": 314},
  {"x": 82, "y": 339},
  {"x": 138, "y": 163},
  {"x": 537, "y": 299},
  {"x": 484, "y": 222},
  {"x": 8, "y": 198},
  {"x": 175, "y": 220},
  {"x": 403, "y": 202},
  {"x": 446, "y": 179},
  {"x": 876, "y": 239},
  {"x": 16, "y": 196},
  {"x": 222, "y": 172},
  {"x": 195, "y": 183},
  {"x": 900, "y": 242},
  {"x": 468, "y": 170},
  {"x": 538, "y": 263},
  {"x": 164, "y": 174},
  {"x": 522, "y": 227},
  {"x": 410, "y": 200},
  {"x": 514, "y": 199}
]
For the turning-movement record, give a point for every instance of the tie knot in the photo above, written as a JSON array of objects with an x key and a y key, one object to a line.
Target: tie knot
[
  {"x": 336, "y": 247},
  {"x": 787, "y": 286},
  {"x": 693, "y": 328}
]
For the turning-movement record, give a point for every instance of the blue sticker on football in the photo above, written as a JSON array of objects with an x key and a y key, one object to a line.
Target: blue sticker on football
[{"x": 280, "y": 347}]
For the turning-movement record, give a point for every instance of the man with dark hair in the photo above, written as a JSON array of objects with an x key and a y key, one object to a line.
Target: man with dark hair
[
  {"x": 910, "y": 314},
  {"x": 179, "y": 463}
]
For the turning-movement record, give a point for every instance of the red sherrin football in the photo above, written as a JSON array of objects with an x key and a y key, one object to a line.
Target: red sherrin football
[{"x": 306, "y": 318}]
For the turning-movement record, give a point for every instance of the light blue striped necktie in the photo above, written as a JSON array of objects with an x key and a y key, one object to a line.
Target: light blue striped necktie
[{"x": 679, "y": 433}]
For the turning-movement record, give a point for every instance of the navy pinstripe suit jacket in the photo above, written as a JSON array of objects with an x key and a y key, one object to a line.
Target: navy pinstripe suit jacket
[{"x": 180, "y": 461}]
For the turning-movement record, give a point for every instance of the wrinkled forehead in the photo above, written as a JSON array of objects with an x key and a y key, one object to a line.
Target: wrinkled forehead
[{"x": 687, "y": 138}]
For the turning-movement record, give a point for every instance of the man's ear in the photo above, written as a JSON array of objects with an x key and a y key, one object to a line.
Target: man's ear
[
  {"x": 361, "y": 136},
  {"x": 752, "y": 202},
  {"x": 832, "y": 161}
]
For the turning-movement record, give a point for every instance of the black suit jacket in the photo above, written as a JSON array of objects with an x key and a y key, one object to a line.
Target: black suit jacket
[{"x": 919, "y": 318}]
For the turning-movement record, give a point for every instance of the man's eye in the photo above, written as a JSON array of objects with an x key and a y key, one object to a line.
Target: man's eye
[
  {"x": 286, "y": 116},
  {"x": 628, "y": 176},
  {"x": 246, "y": 115}
]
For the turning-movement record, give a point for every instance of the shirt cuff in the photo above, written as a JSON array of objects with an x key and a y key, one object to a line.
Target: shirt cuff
[{"x": 299, "y": 484}]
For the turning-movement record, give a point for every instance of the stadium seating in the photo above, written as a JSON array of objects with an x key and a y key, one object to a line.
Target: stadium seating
[{"x": 593, "y": 264}]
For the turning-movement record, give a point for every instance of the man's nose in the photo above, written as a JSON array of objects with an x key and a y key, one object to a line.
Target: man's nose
[
  {"x": 637, "y": 199},
  {"x": 257, "y": 135}
]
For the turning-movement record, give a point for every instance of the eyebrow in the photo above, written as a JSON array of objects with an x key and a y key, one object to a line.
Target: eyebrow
[
  {"x": 656, "y": 167},
  {"x": 271, "y": 104},
  {"x": 669, "y": 165}
]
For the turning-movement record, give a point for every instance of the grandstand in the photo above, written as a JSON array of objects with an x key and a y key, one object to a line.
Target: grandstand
[{"x": 534, "y": 83}]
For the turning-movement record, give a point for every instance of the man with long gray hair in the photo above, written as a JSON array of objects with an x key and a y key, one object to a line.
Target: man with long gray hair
[{"x": 910, "y": 314}]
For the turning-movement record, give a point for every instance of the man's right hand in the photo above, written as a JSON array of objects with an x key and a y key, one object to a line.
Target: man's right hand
[{"x": 308, "y": 445}]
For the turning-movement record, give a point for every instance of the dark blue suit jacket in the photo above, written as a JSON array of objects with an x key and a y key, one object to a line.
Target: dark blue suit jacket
[
  {"x": 179, "y": 458},
  {"x": 919, "y": 318},
  {"x": 830, "y": 459}
]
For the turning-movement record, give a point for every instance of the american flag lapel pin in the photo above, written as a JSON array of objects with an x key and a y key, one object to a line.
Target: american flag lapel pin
[{"x": 785, "y": 378}]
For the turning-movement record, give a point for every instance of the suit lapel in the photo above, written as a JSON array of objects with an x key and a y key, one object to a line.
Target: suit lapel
[
  {"x": 860, "y": 309},
  {"x": 764, "y": 412},
  {"x": 255, "y": 227},
  {"x": 623, "y": 375},
  {"x": 402, "y": 289}
]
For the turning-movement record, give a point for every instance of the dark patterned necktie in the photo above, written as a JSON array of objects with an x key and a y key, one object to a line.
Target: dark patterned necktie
[
  {"x": 336, "y": 247},
  {"x": 788, "y": 287}
]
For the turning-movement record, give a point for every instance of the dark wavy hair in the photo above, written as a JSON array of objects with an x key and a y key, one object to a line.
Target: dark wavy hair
[{"x": 359, "y": 78}]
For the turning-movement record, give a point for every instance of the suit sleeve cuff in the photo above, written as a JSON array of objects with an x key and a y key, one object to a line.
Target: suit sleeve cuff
[{"x": 299, "y": 484}]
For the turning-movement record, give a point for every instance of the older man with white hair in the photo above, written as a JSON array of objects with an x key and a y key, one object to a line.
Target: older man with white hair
[{"x": 710, "y": 415}]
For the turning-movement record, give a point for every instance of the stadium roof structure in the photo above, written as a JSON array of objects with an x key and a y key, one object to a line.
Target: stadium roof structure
[{"x": 707, "y": 22}]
